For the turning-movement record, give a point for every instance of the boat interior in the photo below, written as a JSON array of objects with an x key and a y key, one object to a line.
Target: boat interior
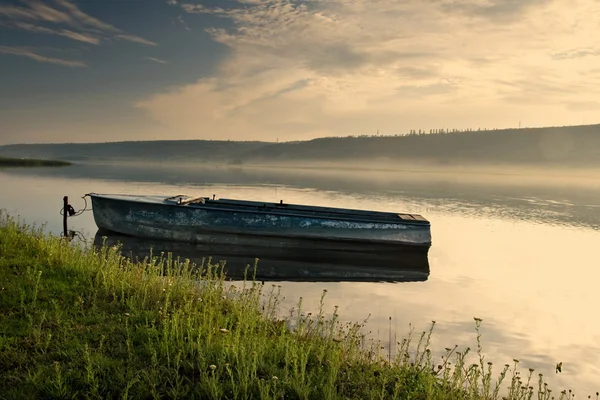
[{"x": 184, "y": 200}]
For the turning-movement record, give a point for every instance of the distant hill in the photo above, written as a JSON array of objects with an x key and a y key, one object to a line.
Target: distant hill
[
  {"x": 160, "y": 151},
  {"x": 577, "y": 146}
]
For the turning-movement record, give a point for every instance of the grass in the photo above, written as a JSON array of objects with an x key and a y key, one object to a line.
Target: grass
[
  {"x": 29, "y": 162},
  {"x": 81, "y": 323}
]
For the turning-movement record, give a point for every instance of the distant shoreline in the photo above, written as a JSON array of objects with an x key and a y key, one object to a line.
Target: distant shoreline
[
  {"x": 30, "y": 162},
  {"x": 574, "y": 147}
]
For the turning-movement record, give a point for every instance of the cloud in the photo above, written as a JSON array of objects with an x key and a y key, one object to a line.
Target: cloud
[
  {"x": 575, "y": 53},
  {"x": 135, "y": 39},
  {"x": 82, "y": 37},
  {"x": 495, "y": 10},
  {"x": 156, "y": 60},
  {"x": 37, "y": 11},
  {"x": 179, "y": 20},
  {"x": 172, "y": 2},
  {"x": 17, "y": 12},
  {"x": 338, "y": 67},
  {"x": 32, "y": 54},
  {"x": 84, "y": 18},
  {"x": 48, "y": 13},
  {"x": 82, "y": 27}
]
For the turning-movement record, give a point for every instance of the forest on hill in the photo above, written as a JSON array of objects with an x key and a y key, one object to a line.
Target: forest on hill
[{"x": 577, "y": 146}]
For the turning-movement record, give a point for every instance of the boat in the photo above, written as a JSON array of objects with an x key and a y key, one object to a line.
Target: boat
[{"x": 290, "y": 226}]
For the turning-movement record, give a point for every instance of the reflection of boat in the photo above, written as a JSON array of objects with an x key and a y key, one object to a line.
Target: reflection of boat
[
  {"x": 202, "y": 219},
  {"x": 276, "y": 263}
]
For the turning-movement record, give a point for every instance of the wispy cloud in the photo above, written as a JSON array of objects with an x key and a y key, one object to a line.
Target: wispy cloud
[
  {"x": 34, "y": 55},
  {"x": 81, "y": 37},
  {"x": 64, "y": 12},
  {"x": 495, "y": 10},
  {"x": 575, "y": 53},
  {"x": 36, "y": 11},
  {"x": 172, "y": 2},
  {"x": 199, "y": 8},
  {"x": 156, "y": 60},
  {"x": 48, "y": 13},
  {"x": 17, "y": 12},
  {"x": 84, "y": 18},
  {"x": 179, "y": 20},
  {"x": 135, "y": 39}
]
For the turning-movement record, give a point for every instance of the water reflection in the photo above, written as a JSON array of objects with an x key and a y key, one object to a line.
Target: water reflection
[{"x": 283, "y": 264}]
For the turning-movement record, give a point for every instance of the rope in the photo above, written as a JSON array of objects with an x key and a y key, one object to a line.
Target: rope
[{"x": 77, "y": 213}]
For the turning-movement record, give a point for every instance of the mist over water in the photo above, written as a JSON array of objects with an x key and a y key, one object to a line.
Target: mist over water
[{"x": 514, "y": 247}]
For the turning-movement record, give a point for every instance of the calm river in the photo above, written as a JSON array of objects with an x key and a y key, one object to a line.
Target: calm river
[{"x": 520, "y": 253}]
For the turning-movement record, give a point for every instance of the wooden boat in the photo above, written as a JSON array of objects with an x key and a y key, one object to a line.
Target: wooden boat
[{"x": 206, "y": 220}]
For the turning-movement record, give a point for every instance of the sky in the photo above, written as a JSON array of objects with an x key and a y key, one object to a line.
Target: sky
[{"x": 100, "y": 70}]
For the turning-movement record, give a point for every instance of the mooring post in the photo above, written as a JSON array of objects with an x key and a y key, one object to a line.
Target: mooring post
[{"x": 65, "y": 214}]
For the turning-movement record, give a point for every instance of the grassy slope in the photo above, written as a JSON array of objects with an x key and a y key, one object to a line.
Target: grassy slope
[
  {"x": 20, "y": 162},
  {"x": 89, "y": 324}
]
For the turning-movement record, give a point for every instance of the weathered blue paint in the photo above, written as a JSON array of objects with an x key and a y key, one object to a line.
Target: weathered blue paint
[{"x": 202, "y": 220}]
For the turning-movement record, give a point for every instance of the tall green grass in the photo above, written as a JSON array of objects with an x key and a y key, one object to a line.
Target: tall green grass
[
  {"x": 29, "y": 162},
  {"x": 85, "y": 323}
]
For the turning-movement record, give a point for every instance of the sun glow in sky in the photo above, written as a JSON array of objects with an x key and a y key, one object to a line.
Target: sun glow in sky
[{"x": 98, "y": 70}]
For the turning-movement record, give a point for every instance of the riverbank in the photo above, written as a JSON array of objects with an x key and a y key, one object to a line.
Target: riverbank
[
  {"x": 29, "y": 162},
  {"x": 81, "y": 323}
]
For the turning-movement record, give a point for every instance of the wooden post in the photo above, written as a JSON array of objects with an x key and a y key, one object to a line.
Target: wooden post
[{"x": 65, "y": 215}]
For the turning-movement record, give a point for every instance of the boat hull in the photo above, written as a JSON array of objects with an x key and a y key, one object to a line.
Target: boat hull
[{"x": 210, "y": 224}]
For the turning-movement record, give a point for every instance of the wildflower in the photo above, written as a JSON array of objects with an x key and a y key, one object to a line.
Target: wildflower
[
  {"x": 275, "y": 378},
  {"x": 254, "y": 354},
  {"x": 531, "y": 369},
  {"x": 477, "y": 319},
  {"x": 212, "y": 367},
  {"x": 127, "y": 314},
  {"x": 223, "y": 330}
]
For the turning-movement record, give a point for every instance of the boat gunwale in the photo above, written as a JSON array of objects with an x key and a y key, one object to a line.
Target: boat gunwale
[{"x": 352, "y": 218}]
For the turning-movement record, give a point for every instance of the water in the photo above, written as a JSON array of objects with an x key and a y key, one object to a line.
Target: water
[{"x": 519, "y": 253}]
